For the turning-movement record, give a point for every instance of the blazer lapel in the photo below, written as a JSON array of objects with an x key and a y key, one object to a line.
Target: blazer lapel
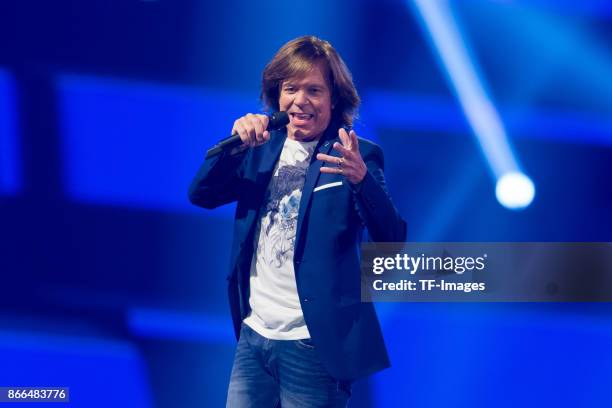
[
  {"x": 270, "y": 152},
  {"x": 312, "y": 176}
]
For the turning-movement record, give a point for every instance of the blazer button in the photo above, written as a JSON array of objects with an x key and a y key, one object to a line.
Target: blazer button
[{"x": 306, "y": 300}]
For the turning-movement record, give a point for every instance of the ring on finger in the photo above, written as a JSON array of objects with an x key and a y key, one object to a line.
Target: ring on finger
[{"x": 341, "y": 162}]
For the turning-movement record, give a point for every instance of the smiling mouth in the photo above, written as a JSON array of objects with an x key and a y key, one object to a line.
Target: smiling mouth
[{"x": 300, "y": 118}]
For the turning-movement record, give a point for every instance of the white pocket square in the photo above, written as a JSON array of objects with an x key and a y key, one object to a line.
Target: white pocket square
[{"x": 328, "y": 185}]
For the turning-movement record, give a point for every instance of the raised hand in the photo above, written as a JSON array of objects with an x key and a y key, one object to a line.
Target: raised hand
[{"x": 350, "y": 164}]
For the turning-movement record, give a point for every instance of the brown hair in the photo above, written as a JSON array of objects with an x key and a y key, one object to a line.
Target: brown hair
[{"x": 295, "y": 59}]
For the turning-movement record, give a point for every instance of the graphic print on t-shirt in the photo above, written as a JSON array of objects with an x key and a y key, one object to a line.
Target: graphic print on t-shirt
[
  {"x": 280, "y": 211},
  {"x": 276, "y": 312}
]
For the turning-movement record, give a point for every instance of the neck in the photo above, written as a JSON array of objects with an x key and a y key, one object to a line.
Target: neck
[{"x": 299, "y": 139}]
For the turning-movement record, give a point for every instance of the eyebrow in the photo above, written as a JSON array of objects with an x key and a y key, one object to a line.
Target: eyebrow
[{"x": 309, "y": 84}]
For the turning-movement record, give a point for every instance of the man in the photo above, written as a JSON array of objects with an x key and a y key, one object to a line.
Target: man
[{"x": 304, "y": 196}]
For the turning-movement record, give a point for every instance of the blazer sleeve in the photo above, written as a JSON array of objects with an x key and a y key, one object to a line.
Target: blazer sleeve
[
  {"x": 218, "y": 181},
  {"x": 374, "y": 204}
]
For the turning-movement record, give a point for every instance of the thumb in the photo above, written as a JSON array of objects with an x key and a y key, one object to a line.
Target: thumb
[{"x": 344, "y": 138}]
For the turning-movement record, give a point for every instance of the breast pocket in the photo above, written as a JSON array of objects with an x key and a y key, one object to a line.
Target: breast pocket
[
  {"x": 326, "y": 186},
  {"x": 332, "y": 197}
]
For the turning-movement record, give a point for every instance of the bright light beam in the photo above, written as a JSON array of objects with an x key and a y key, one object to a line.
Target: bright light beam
[
  {"x": 10, "y": 166},
  {"x": 475, "y": 103}
]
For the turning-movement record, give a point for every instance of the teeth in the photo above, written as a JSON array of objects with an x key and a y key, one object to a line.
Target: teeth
[{"x": 302, "y": 115}]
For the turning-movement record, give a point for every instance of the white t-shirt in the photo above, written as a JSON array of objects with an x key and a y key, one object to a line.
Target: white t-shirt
[{"x": 275, "y": 306}]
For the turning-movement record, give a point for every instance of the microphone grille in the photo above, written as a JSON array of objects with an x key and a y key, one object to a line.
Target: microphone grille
[{"x": 278, "y": 120}]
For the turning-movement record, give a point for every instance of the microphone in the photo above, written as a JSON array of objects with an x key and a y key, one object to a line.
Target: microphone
[{"x": 276, "y": 121}]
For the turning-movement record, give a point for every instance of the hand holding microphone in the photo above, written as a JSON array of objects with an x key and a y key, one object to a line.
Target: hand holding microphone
[{"x": 250, "y": 130}]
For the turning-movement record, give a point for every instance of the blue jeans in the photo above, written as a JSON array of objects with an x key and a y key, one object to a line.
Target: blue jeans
[{"x": 268, "y": 372}]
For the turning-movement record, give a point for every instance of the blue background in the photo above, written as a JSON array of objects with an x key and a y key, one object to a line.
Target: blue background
[{"x": 113, "y": 285}]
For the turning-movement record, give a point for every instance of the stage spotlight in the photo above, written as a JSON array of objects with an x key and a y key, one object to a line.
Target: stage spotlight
[{"x": 514, "y": 190}]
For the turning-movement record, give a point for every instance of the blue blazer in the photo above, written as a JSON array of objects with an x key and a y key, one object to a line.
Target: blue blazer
[{"x": 344, "y": 331}]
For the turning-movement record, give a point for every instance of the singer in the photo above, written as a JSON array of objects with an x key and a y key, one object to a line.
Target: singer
[{"x": 304, "y": 196}]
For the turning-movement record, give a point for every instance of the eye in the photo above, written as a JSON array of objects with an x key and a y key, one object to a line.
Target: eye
[{"x": 289, "y": 89}]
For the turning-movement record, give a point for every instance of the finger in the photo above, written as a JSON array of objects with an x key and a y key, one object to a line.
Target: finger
[
  {"x": 264, "y": 119},
  {"x": 258, "y": 126},
  {"x": 249, "y": 127},
  {"x": 354, "y": 141},
  {"x": 260, "y": 123},
  {"x": 344, "y": 138},
  {"x": 331, "y": 170},
  {"x": 343, "y": 150},
  {"x": 328, "y": 159},
  {"x": 244, "y": 135}
]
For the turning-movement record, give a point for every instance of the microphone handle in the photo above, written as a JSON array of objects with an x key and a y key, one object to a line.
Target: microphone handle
[
  {"x": 277, "y": 121},
  {"x": 226, "y": 144}
]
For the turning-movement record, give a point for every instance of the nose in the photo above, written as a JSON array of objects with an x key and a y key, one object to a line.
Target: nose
[{"x": 300, "y": 98}]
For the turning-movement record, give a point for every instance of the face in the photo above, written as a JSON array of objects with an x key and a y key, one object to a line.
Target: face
[{"x": 307, "y": 100}]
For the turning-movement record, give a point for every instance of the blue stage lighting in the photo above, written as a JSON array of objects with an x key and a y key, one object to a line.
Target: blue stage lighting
[
  {"x": 464, "y": 80},
  {"x": 10, "y": 176},
  {"x": 138, "y": 144},
  {"x": 514, "y": 190},
  {"x": 85, "y": 364},
  {"x": 168, "y": 324}
]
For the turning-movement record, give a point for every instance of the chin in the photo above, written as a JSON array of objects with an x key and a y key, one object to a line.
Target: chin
[{"x": 304, "y": 134}]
